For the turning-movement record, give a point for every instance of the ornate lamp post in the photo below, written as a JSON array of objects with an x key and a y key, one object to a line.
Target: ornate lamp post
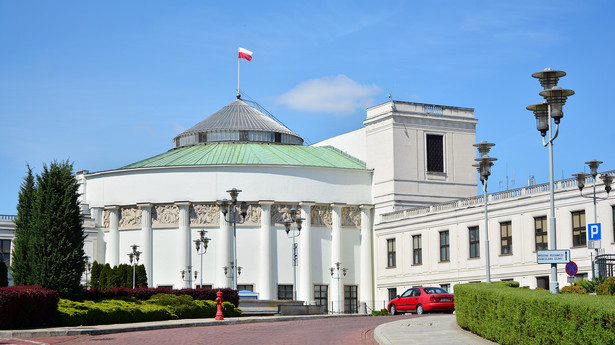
[
  {"x": 134, "y": 259},
  {"x": 201, "y": 248},
  {"x": 484, "y": 164},
  {"x": 188, "y": 271},
  {"x": 88, "y": 269},
  {"x": 287, "y": 226},
  {"x": 234, "y": 214},
  {"x": 335, "y": 274},
  {"x": 546, "y": 113},
  {"x": 606, "y": 179}
]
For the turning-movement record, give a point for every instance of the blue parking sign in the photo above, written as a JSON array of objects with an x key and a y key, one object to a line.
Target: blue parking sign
[{"x": 593, "y": 231}]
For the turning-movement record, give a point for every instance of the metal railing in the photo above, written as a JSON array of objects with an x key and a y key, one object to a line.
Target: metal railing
[{"x": 605, "y": 264}]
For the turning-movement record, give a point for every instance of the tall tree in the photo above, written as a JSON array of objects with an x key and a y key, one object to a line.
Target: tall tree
[
  {"x": 21, "y": 270},
  {"x": 57, "y": 236}
]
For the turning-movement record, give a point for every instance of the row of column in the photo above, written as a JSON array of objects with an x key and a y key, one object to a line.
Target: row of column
[{"x": 267, "y": 286}]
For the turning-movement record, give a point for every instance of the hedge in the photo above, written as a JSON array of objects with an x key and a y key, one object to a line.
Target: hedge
[
  {"x": 504, "y": 313},
  {"x": 143, "y": 294},
  {"x": 27, "y": 306}
]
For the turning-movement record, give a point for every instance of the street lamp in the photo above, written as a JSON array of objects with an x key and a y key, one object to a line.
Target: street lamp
[
  {"x": 338, "y": 276},
  {"x": 287, "y": 226},
  {"x": 88, "y": 269},
  {"x": 483, "y": 165},
  {"x": 201, "y": 248},
  {"x": 231, "y": 213},
  {"x": 607, "y": 179},
  {"x": 555, "y": 98},
  {"x": 188, "y": 271},
  {"x": 134, "y": 259}
]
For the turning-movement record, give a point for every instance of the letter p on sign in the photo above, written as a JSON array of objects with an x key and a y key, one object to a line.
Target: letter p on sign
[{"x": 594, "y": 231}]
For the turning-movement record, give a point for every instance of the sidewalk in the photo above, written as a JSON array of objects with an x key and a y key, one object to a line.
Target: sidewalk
[{"x": 428, "y": 330}]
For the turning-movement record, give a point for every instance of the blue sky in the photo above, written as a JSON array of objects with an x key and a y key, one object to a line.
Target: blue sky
[{"x": 106, "y": 84}]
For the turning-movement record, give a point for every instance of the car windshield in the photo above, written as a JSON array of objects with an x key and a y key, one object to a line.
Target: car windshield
[{"x": 432, "y": 291}]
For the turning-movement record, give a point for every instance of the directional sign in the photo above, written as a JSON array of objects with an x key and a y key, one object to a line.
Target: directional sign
[
  {"x": 593, "y": 232},
  {"x": 553, "y": 256},
  {"x": 572, "y": 268}
]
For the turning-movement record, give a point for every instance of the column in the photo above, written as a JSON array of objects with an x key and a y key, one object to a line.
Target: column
[
  {"x": 99, "y": 254},
  {"x": 147, "y": 240},
  {"x": 366, "y": 287},
  {"x": 184, "y": 241},
  {"x": 336, "y": 292},
  {"x": 113, "y": 243},
  {"x": 223, "y": 252},
  {"x": 305, "y": 288},
  {"x": 268, "y": 255}
]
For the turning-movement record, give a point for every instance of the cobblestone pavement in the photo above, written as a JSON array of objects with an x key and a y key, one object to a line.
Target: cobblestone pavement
[{"x": 343, "y": 330}]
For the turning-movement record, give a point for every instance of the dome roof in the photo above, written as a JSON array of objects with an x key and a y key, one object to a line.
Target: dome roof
[{"x": 237, "y": 122}]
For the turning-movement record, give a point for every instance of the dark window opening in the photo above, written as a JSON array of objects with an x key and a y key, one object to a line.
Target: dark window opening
[
  {"x": 435, "y": 153},
  {"x": 445, "y": 254},
  {"x": 391, "y": 255},
  {"x": 579, "y": 233},
  {"x": 506, "y": 237},
  {"x": 540, "y": 227},
  {"x": 351, "y": 300},
  {"x": 474, "y": 242},
  {"x": 278, "y": 137}
]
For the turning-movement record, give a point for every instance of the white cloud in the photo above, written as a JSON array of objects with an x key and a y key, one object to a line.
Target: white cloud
[{"x": 339, "y": 94}]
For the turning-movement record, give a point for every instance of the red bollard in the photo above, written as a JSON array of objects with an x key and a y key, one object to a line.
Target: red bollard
[{"x": 219, "y": 315}]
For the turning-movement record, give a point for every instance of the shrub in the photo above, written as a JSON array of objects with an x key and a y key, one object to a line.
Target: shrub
[
  {"x": 72, "y": 313},
  {"x": 27, "y": 306},
  {"x": 183, "y": 306},
  {"x": 381, "y": 312},
  {"x": 607, "y": 288},
  {"x": 143, "y": 294},
  {"x": 590, "y": 285},
  {"x": 573, "y": 289},
  {"x": 229, "y": 309}
]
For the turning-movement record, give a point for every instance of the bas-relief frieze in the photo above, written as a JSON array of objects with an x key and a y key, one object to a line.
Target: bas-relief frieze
[
  {"x": 165, "y": 215},
  {"x": 351, "y": 216},
  {"x": 130, "y": 217},
  {"x": 321, "y": 216},
  {"x": 106, "y": 219},
  {"x": 253, "y": 217},
  {"x": 281, "y": 212},
  {"x": 204, "y": 214}
]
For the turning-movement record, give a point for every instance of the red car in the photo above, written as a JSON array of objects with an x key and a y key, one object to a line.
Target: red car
[{"x": 422, "y": 300}]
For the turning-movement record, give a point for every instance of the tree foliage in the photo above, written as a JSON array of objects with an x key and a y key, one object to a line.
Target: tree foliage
[
  {"x": 21, "y": 271},
  {"x": 104, "y": 277}
]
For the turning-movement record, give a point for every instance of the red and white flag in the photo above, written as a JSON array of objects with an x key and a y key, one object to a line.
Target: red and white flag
[{"x": 245, "y": 54}]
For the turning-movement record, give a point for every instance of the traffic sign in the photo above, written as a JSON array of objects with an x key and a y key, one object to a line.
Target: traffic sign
[
  {"x": 572, "y": 268},
  {"x": 593, "y": 232},
  {"x": 553, "y": 256},
  {"x": 595, "y": 244}
]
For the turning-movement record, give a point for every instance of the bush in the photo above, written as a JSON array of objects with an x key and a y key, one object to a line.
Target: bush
[
  {"x": 607, "y": 288},
  {"x": 143, "y": 294},
  {"x": 590, "y": 285},
  {"x": 575, "y": 289},
  {"x": 27, "y": 306},
  {"x": 501, "y": 312},
  {"x": 183, "y": 306},
  {"x": 72, "y": 313},
  {"x": 381, "y": 312}
]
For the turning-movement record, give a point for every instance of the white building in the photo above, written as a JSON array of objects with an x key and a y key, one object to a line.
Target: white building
[{"x": 366, "y": 196}]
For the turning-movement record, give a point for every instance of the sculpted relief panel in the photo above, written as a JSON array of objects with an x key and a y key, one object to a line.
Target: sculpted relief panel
[
  {"x": 254, "y": 215},
  {"x": 321, "y": 216},
  {"x": 165, "y": 215},
  {"x": 130, "y": 217},
  {"x": 281, "y": 212},
  {"x": 204, "y": 214},
  {"x": 351, "y": 216},
  {"x": 106, "y": 219}
]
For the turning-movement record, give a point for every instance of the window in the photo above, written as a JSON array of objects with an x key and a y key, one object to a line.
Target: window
[
  {"x": 277, "y": 137},
  {"x": 351, "y": 301},
  {"x": 580, "y": 276},
  {"x": 446, "y": 287},
  {"x": 285, "y": 292},
  {"x": 245, "y": 287},
  {"x": 243, "y": 135},
  {"x": 321, "y": 295},
  {"x": 435, "y": 153},
  {"x": 391, "y": 252},
  {"x": 417, "y": 250},
  {"x": 5, "y": 252},
  {"x": 444, "y": 246},
  {"x": 392, "y": 293},
  {"x": 474, "y": 242},
  {"x": 170, "y": 287},
  {"x": 506, "y": 237},
  {"x": 540, "y": 228},
  {"x": 579, "y": 233},
  {"x": 613, "y": 214},
  {"x": 205, "y": 286},
  {"x": 542, "y": 282}
]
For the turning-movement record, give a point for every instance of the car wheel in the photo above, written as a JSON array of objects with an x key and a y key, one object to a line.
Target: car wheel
[
  {"x": 393, "y": 310},
  {"x": 420, "y": 310}
]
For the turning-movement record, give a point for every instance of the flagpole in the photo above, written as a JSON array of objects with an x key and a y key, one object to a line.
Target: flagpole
[{"x": 238, "y": 60}]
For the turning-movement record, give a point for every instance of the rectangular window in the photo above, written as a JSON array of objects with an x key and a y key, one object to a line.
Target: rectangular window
[
  {"x": 540, "y": 229},
  {"x": 506, "y": 237},
  {"x": 5, "y": 252},
  {"x": 613, "y": 214},
  {"x": 392, "y": 293},
  {"x": 351, "y": 301},
  {"x": 542, "y": 282},
  {"x": 445, "y": 254},
  {"x": 245, "y": 287},
  {"x": 321, "y": 295},
  {"x": 446, "y": 287},
  {"x": 579, "y": 233},
  {"x": 205, "y": 286},
  {"x": 474, "y": 242},
  {"x": 285, "y": 292},
  {"x": 391, "y": 256},
  {"x": 417, "y": 250},
  {"x": 243, "y": 135},
  {"x": 435, "y": 153}
]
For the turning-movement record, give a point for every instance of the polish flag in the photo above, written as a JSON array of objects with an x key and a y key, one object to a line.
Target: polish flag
[{"x": 245, "y": 54}]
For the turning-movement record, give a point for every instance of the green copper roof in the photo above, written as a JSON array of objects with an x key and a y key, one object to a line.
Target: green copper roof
[{"x": 251, "y": 154}]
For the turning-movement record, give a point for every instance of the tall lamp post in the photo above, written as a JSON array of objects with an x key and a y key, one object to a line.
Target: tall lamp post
[
  {"x": 88, "y": 269},
  {"x": 483, "y": 165},
  {"x": 234, "y": 214},
  {"x": 201, "y": 247},
  {"x": 287, "y": 226},
  {"x": 607, "y": 179},
  {"x": 335, "y": 274},
  {"x": 134, "y": 259},
  {"x": 188, "y": 272},
  {"x": 546, "y": 113}
]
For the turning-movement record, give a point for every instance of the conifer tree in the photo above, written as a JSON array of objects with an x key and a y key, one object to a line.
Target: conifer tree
[
  {"x": 95, "y": 274},
  {"x": 21, "y": 270},
  {"x": 141, "y": 275},
  {"x": 4, "y": 274}
]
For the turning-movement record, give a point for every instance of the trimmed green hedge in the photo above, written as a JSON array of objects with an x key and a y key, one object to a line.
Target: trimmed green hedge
[{"x": 504, "y": 313}]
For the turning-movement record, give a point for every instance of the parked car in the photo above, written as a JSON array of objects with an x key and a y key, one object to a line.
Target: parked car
[{"x": 422, "y": 300}]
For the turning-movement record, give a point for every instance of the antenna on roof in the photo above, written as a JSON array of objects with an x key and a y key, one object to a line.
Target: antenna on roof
[{"x": 512, "y": 181}]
